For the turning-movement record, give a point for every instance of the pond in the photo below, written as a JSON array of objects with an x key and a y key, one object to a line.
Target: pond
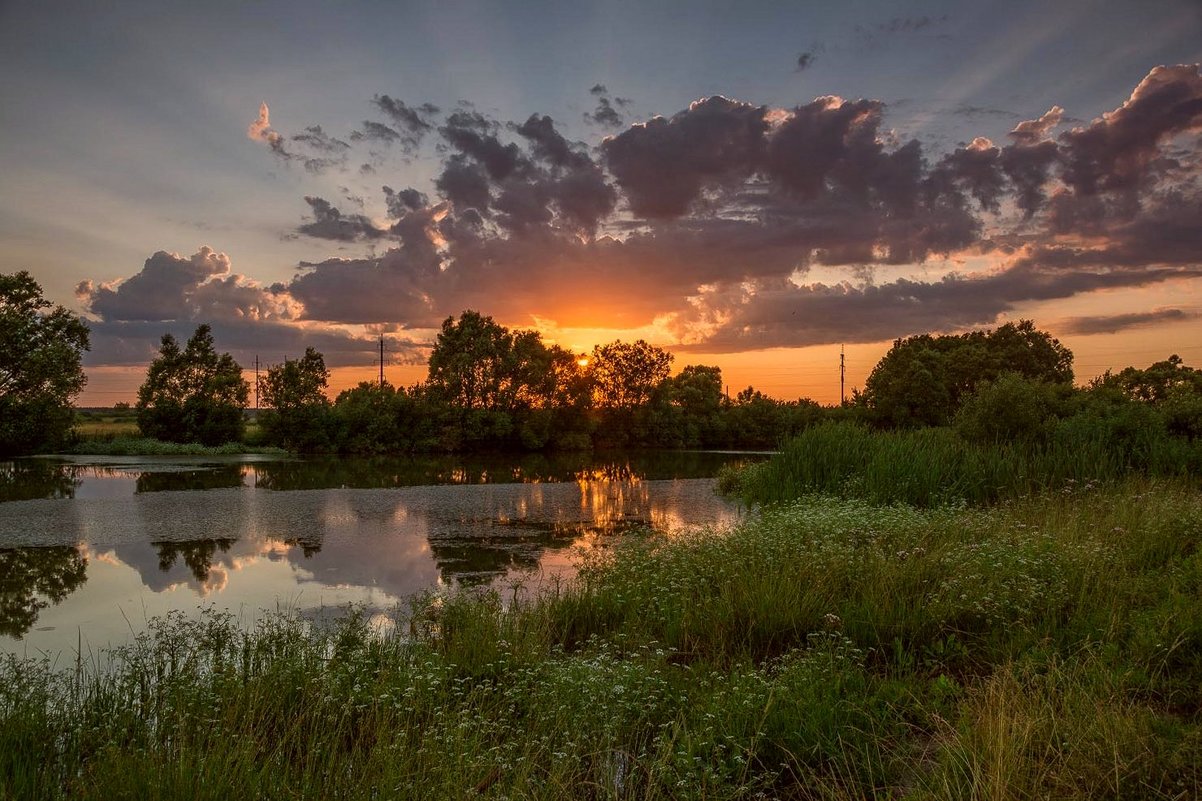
[{"x": 93, "y": 547}]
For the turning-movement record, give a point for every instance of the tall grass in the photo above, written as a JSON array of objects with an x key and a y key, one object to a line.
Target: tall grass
[
  {"x": 828, "y": 648},
  {"x": 934, "y": 466},
  {"x": 144, "y": 446}
]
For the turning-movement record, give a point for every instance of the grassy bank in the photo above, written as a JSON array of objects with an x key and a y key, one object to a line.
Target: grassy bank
[
  {"x": 144, "y": 446},
  {"x": 830, "y": 648},
  {"x": 933, "y": 466}
]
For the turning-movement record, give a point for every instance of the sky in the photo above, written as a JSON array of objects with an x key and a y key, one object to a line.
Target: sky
[{"x": 757, "y": 186}]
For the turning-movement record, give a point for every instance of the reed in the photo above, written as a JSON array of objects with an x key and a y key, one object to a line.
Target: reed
[{"x": 934, "y": 466}]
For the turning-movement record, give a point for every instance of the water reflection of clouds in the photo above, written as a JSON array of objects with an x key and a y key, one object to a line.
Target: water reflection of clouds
[{"x": 246, "y": 547}]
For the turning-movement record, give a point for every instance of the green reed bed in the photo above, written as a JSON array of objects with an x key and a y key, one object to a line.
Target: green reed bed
[
  {"x": 827, "y": 648},
  {"x": 934, "y": 466}
]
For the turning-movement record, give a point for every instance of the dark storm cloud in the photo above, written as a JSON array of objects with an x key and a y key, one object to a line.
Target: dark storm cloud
[
  {"x": 664, "y": 164},
  {"x": 598, "y": 89},
  {"x": 406, "y": 200},
  {"x": 551, "y": 180},
  {"x": 549, "y": 144},
  {"x": 975, "y": 170},
  {"x": 1164, "y": 230},
  {"x": 805, "y": 60},
  {"x": 1028, "y": 160},
  {"x": 377, "y": 132},
  {"x": 465, "y": 184},
  {"x": 475, "y": 136},
  {"x": 330, "y": 223},
  {"x": 316, "y": 138},
  {"x": 782, "y": 314},
  {"x": 1113, "y": 323},
  {"x": 712, "y": 217},
  {"x": 605, "y": 114},
  {"x": 375, "y": 290},
  {"x": 174, "y": 294},
  {"x": 406, "y": 118}
]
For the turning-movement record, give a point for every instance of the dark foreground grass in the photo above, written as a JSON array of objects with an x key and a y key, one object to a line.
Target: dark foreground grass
[
  {"x": 829, "y": 648},
  {"x": 935, "y": 466}
]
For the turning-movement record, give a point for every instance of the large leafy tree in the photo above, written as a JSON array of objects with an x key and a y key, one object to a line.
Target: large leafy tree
[
  {"x": 922, "y": 380},
  {"x": 1171, "y": 386},
  {"x": 626, "y": 374},
  {"x": 468, "y": 362},
  {"x": 41, "y": 372},
  {"x": 194, "y": 394},
  {"x": 479, "y": 364},
  {"x": 295, "y": 391}
]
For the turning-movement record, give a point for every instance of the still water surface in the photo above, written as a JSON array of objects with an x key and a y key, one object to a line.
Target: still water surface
[{"x": 91, "y": 547}]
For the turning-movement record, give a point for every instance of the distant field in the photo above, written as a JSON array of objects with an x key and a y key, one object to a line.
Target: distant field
[
  {"x": 106, "y": 427},
  {"x": 109, "y": 427}
]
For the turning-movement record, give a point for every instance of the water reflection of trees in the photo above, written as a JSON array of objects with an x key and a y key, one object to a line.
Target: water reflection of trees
[
  {"x": 33, "y": 578},
  {"x": 196, "y": 554},
  {"x": 384, "y": 472},
  {"x": 310, "y": 544},
  {"x": 30, "y": 479},
  {"x": 216, "y": 477}
]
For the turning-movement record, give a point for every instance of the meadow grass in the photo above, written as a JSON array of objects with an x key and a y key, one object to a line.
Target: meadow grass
[
  {"x": 826, "y": 648},
  {"x": 91, "y": 428},
  {"x": 934, "y": 466}
]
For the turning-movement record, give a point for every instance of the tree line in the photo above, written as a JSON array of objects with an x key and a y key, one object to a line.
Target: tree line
[{"x": 492, "y": 388}]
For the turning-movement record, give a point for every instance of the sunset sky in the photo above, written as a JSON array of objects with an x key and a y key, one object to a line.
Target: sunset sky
[{"x": 751, "y": 185}]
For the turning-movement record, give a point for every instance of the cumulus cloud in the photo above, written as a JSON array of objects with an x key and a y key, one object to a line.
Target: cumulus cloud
[
  {"x": 663, "y": 165},
  {"x": 166, "y": 288},
  {"x": 712, "y": 219},
  {"x": 1118, "y": 151},
  {"x": 173, "y": 294},
  {"x": 330, "y": 223}
]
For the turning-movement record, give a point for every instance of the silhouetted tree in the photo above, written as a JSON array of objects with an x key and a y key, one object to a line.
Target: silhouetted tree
[
  {"x": 41, "y": 348},
  {"x": 923, "y": 379},
  {"x": 299, "y": 415},
  {"x": 1171, "y": 385},
  {"x": 625, "y": 374},
  {"x": 469, "y": 362},
  {"x": 193, "y": 395}
]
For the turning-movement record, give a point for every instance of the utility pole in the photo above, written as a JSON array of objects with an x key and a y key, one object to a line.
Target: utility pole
[
  {"x": 842, "y": 375},
  {"x": 256, "y": 382},
  {"x": 381, "y": 360}
]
